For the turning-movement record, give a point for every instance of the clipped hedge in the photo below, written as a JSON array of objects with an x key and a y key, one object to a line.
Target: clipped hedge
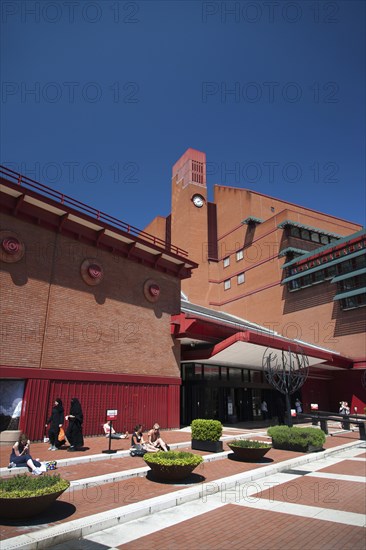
[
  {"x": 296, "y": 439},
  {"x": 173, "y": 458},
  {"x": 249, "y": 444},
  {"x": 206, "y": 430},
  {"x": 24, "y": 486}
]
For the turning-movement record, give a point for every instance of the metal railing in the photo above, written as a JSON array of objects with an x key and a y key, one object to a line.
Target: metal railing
[{"x": 61, "y": 198}]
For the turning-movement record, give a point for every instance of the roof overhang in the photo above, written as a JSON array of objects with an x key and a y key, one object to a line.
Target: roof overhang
[{"x": 246, "y": 350}]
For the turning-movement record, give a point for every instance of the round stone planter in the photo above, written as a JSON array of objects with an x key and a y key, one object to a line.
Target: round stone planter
[
  {"x": 248, "y": 454},
  {"x": 170, "y": 473},
  {"x": 21, "y": 508}
]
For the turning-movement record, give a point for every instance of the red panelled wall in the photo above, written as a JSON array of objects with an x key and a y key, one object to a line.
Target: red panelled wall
[
  {"x": 341, "y": 386},
  {"x": 136, "y": 403}
]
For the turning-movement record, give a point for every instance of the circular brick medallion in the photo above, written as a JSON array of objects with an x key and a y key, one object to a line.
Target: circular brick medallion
[
  {"x": 91, "y": 272},
  {"x": 151, "y": 290},
  {"x": 11, "y": 247}
]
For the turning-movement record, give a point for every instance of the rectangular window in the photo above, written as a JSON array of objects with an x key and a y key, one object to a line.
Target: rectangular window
[
  {"x": 240, "y": 278},
  {"x": 227, "y": 261},
  {"x": 239, "y": 255},
  {"x": 305, "y": 234},
  {"x": 315, "y": 237},
  {"x": 227, "y": 284},
  {"x": 295, "y": 232},
  {"x": 324, "y": 239}
]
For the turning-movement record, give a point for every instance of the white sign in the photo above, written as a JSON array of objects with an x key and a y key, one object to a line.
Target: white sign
[
  {"x": 112, "y": 414},
  {"x": 314, "y": 406}
]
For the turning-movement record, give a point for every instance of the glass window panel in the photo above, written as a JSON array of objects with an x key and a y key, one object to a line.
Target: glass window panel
[
  {"x": 210, "y": 372},
  {"x": 234, "y": 374},
  {"x": 256, "y": 376},
  {"x": 227, "y": 284},
  {"x": 227, "y": 261},
  {"x": 239, "y": 255},
  {"x": 305, "y": 234},
  {"x": 241, "y": 278},
  {"x": 315, "y": 237}
]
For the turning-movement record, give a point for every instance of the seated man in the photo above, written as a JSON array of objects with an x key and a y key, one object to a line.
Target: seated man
[
  {"x": 110, "y": 432},
  {"x": 155, "y": 439}
]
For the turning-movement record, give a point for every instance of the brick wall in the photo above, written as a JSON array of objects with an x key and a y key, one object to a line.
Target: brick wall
[{"x": 51, "y": 319}]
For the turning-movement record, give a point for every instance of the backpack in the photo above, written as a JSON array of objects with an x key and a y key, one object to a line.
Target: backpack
[{"x": 137, "y": 450}]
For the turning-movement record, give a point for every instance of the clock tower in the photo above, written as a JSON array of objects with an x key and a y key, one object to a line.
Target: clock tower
[{"x": 189, "y": 215}]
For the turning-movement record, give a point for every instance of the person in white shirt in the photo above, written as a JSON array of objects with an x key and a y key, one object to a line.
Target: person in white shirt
[
  {"x": 264, "y": 410},
  {"x": 111, "y": 432}
]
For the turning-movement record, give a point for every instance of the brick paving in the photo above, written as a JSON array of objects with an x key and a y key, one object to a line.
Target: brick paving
[
  {"x": 239, "y": 528},
  {"x": 98, "y": 498},
  {"x": 327, "y": 493},
  {"x": 347, "y": 467}
]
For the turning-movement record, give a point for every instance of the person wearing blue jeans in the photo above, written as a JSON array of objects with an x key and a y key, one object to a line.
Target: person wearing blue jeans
[{"x": 20, "y": 456}]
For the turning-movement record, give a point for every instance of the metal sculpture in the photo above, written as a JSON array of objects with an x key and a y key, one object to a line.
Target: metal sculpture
[{"x": 286, "y": 371}]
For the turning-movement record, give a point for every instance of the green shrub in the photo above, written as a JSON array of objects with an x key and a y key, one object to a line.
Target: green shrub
[
  {"x": 21, "y": 486},
  {"x": 248, "y": 444},
  {"x": 206, "y": 430},
  {"x": 173, "y": 458},
  {"x": 296, "y": 439}
]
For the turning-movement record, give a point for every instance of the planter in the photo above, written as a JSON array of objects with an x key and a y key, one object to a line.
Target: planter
[
  {"x": 248, "y": 454},
  {"x": 172, "y": 465},
  {"x": 21, "y": 508},
  {"x": 171, "y": 473},
  {"x": 209, "y": 446},
  {"x": 298, "y": 448}
]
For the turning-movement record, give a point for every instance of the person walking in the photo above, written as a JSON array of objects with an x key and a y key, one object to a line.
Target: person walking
[
  {"x": 56, "y": 421},
  {"x": 344, "y": 409},
  {"x": 74, "y": 432},
  {"x": 298, "y": 406},
  {"x": 20, "y": 456},
  {"x": 264, "y": 409}
]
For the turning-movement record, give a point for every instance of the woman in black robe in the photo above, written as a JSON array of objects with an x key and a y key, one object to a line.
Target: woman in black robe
[
  {"x": 74, "y": 432},
  {"x": 55, "y": 420}
]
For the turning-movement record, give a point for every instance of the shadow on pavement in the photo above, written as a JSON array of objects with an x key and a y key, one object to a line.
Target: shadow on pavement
[{"x": 56, "y": 512}]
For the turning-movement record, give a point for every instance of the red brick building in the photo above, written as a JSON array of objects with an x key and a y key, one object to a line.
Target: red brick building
[
  {"x": 91, "y": 307},
  {"x": 86, "y": 306},
  {"x": 294, "y": 271}
]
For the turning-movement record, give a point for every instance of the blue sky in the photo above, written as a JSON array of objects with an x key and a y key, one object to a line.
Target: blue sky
[{"x": 100, "y": 98}]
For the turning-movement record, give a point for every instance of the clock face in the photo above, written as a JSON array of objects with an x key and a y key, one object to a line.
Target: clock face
[{"x": 198, "y": 200}]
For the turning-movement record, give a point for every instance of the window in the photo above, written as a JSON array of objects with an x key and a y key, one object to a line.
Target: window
[
  {"x": 354, "y": 302},
  {"x": 239, "y": 255},
  {"x": 227, "y": 284},
  {"x": 305, "y": 234},
  {"x": 315, "y": 237},
  {"x": 227, "y": 261},
  {"x": 240, "y": 278},
  {"x": 295, "y": 232},
  {"x": 324, "y": 239}
]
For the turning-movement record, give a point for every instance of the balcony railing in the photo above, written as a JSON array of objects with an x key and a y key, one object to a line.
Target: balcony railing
[{"x": 61, "y": 198}]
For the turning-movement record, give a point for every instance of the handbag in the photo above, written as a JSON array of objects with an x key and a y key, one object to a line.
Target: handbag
[
  {"x": 61, "y": 435},
  {"x": 137, "y": 450}
]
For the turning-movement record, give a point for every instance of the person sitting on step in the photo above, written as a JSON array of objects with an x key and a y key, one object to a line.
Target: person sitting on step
[{"x": 111, "y": 432}]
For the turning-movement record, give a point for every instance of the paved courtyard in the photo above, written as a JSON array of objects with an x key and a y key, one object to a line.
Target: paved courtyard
[{"x": 284, "y": 501}]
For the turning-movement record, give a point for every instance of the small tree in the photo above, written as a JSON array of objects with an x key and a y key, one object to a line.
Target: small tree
[{"x": 286, "y": 371}]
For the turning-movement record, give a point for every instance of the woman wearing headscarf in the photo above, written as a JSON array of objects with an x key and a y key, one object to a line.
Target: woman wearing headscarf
[
  {"x": 74, "y": 432},
  {"x": 55, "y": 420}
]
